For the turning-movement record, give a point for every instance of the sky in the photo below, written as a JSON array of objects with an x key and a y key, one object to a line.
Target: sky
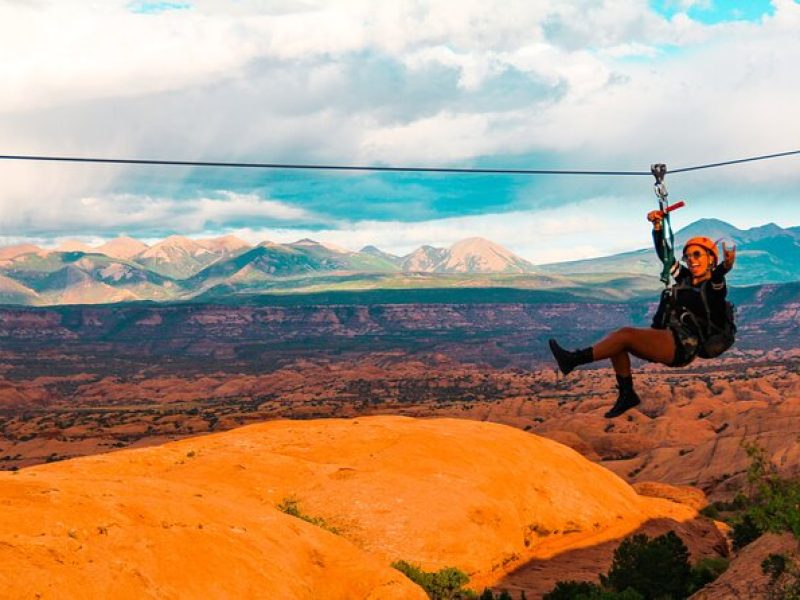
[{"x": 567, "y": 84}]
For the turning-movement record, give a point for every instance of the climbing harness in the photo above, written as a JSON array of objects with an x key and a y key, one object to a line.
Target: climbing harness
[{"x": 712, "y": 338}]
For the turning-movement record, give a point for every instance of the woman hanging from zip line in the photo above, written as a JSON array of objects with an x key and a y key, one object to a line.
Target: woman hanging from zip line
[{"x": 693, "y": 318}]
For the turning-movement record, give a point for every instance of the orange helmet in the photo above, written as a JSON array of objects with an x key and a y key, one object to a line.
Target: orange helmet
[{"x": 703, "y": 242}]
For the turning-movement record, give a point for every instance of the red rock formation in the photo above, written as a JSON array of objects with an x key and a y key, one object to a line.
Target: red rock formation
[
  {"x": 198, "y": 516},
  {"x": 744, "y": 577}
]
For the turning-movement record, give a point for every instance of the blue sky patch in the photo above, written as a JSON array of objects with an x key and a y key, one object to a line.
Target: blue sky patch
[
  {"x": 713, "y": 12},
  {"x": 351, "y": 196},
  {"x": 154, "y": 8}
]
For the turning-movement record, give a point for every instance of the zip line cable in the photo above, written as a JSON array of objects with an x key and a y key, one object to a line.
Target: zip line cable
[
  {"x": 734, "y": 162},
  {"x": 241, "y": 165},
  {"x": 186, "y": 163}
]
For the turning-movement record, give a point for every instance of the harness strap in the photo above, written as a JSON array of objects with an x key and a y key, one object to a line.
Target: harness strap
[
  {"x": 668, "y": 245},
  {"x": 704, "y": 328},
  {"x": 659, "y": 171},
  {"x": 704, "y": 297}
]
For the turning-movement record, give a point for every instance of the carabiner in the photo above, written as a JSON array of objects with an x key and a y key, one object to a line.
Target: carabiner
[{"x": 659, "y": 171}]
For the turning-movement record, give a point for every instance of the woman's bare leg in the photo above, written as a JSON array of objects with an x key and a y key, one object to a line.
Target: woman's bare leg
[
  {"x": 621, "y": 363},
  {"x": 655, "y": 345}
]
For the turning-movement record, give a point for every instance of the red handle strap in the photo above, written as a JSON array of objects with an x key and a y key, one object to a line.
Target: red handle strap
[{"x": 675, "y": 206}]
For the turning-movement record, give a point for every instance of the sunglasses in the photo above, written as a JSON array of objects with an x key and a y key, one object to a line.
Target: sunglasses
[{"x": 697, "y": 255}]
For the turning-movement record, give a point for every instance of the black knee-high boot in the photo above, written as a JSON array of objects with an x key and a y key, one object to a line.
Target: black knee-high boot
[
  {"x": 568, "y": 360},
  {"x": 627, "y": 397}
]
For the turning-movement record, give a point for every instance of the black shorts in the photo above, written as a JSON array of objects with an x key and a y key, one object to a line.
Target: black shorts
[{"x": 687, "y": 343}]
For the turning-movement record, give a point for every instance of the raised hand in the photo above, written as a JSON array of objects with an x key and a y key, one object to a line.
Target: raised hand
[{"x": 729, "y": 254}]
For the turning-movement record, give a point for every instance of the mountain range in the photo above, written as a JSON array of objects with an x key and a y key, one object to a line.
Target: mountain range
[
  {"x": 179, "y": 268},
  {"x": 765, "y": 254}
]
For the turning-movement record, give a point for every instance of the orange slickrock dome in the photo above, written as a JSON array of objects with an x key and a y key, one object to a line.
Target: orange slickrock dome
[{"x": 198, "y": 517}]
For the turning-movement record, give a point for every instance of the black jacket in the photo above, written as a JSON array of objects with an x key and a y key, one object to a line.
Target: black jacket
[{"x": 687, "y": 296}]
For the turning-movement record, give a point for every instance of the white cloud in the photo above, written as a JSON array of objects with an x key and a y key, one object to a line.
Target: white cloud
[
  {"x": 428, "y": 140},
  {"x": 545, "y": 236},
  {"x": 65, "y": 53},
  {"x": 596, "y": 227},
  {"x": 130, "y": 213},
  {"x": 69, "y": 51},
  {"x": 631, "y": 50},
  {"x": 473, "y": 68},
  {"x": 541, "y": 237},
  {"x": 607, "y": 84}
]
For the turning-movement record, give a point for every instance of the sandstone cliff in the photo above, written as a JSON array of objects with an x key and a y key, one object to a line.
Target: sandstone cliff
[
  {"x": 745, "y": 577},
  {"x": 199, "y": 517}
]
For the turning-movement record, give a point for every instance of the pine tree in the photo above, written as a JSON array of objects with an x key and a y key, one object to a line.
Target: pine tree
[{"x": 654, "y": 568}]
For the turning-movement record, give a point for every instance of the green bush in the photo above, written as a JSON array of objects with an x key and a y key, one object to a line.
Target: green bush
[
  {"x": 504, "y": 595},
  {"x": 584, "y": 590},
  {"x": 707, "y": 570},
  {"x": 784, "y": 576},
  {"x": 744, "y": 530},
  {"x": 645, "y": 569},
  {"x": 571, "y": 590},
  {"x": 711, "y": 511},
  {"x": 771, "y": 504},
  {"x": 714, "y": 510},
  {"x": 654, "y": 568},
  {"x": 775, "y": 502},
  {"x": 775, "y": 565},
  {"x": 444, "y": 584},
  {"x": 291, "y": 507},
  {"x": 659, "y": 568}
]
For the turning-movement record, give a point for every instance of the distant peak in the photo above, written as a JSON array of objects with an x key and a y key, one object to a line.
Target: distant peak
[
  {"x": 177, "y": 240},
  {"x": 767, "y": 227},
  {"x": 226, "y": 243},
  {"x": 377, "y": 252},
  {"x": 479, "y": 255},
  {"x": 18, "y": 250},
  {"x": 123, "y": 247},
  {"x": 73, "y": 246},
  {"x": 474, "y": 242},
  {"x": 326, "y": 245},
  {"x": 712, "y": 221},
  {"x": 711, "y": 227},
  {"x": 232, "y": 238}
]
